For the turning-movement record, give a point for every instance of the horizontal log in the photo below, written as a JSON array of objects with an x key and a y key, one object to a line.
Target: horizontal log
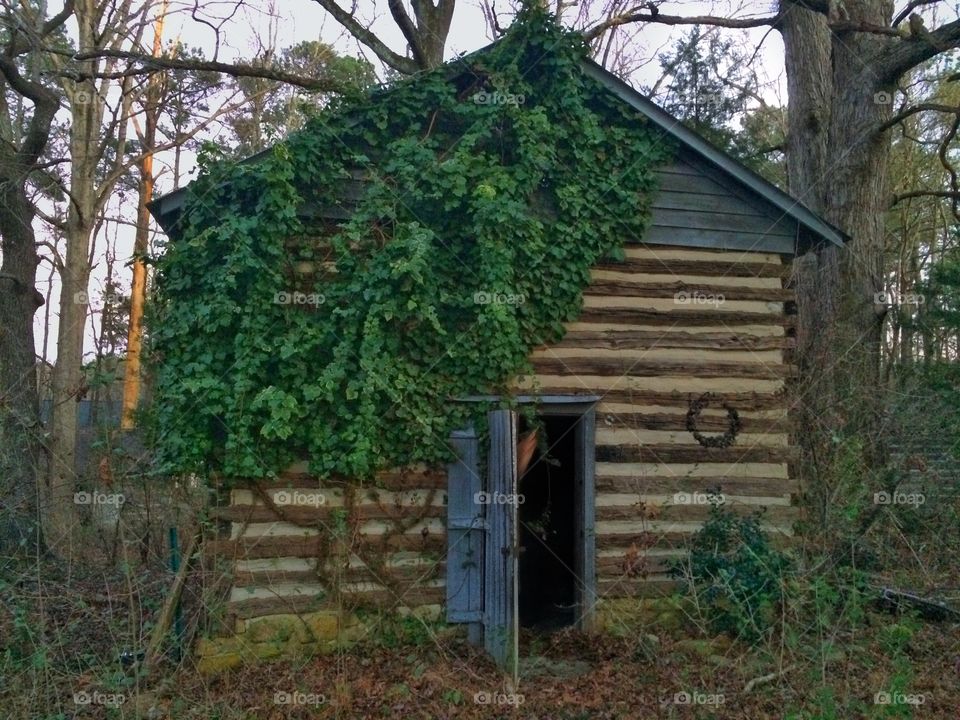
[
  {"x": 258, "y": 607},
  {"x": 678, "y": 421},
  {"x": 651, "y": 587},
  {"x": 697, "y": 267},
  {"x": 694, "y": 454},
  {"x": 661, "y": 541},
  {"x": 414, "y": 479},
  {"x": 336, "y": 497},
  {"x": 309, "y": 514},
  {"x": 642, "y": 540},
  {"x": 701, "y": 356},
  {"x": 673, "y": 252},
  {"x": 670, "y": 277},
  {"x": 745, "y": 487},
  {"x": 780, "y": 515},
  {"x": 405, "y": 574},
  {"x": 631, "y": 436},
  {"x": 683, "y": 316},
  {"x": 312, "y": 546},
  {"x": 671, "y": 304},
  {"x": 646, "y": 340},
  {"x": 294, "y": 605},
  {"x": 618, "y": 288},
  {"x": 634, "y": 566},
  {"x": 629, "y": 367},
  {"x": 739, "y": 400},
  {"x": 687, "y": 385}
]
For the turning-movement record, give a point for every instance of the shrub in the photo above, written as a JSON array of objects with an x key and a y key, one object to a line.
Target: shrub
[{"x": 735, "y": 574}]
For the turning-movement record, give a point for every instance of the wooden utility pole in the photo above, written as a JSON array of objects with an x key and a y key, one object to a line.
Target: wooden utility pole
[{"x": 138, "y": 289}]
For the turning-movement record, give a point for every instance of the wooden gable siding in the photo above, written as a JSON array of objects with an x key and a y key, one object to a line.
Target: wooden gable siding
[
  {"x": 696, "y": 206},
  {"x": 647, "y": 356}
]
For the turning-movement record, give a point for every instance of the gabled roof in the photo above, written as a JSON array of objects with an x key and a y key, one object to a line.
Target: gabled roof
[{"x": 166, "y": 209}]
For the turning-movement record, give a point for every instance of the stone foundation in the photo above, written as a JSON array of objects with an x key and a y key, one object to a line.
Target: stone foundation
[
  {"x": 274, "y": 636},
  {"x": 290, "y": 635}
]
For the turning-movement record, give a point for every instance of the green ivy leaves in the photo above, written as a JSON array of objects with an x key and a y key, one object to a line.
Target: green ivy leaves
[{"x": 467, "y": 245}]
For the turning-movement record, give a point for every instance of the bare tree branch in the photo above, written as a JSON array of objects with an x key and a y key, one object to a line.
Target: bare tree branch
[
  {"x": 951, "y": 194},
  {"x": 408, "y": 29},
  {"x": 18, "y": 46},
  {"x": 657, "y": 17},
  {"x": 45, "y": 107},
  {"x": 907, "y": 54},
  {"x": 913, "y": 110},
  {"x": 911, "y": 6},
  {"x": 146, "y": 64},
  {"x": 368, "y": 38}
]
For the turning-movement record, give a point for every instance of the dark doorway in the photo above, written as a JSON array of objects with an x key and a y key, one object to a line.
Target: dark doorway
[{"x": 546, "y": 567}]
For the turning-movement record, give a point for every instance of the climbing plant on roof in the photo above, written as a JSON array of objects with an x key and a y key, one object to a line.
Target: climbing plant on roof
[{"x": 478, "y": 197}]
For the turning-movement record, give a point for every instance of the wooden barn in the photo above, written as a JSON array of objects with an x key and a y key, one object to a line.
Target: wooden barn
[{"x": 673, "y": 385}]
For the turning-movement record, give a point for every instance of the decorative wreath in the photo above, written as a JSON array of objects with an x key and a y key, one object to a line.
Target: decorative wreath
[{"x": 716, "y": 441}]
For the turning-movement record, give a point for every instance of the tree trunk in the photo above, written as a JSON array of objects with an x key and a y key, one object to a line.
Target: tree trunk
[
  {"x": 20, "y": 428},
  {"x": 68, "y": 381},
  {"x": 837, "y": 165}
]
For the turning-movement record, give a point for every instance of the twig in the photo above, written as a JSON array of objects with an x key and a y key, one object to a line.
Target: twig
[{"x": 763, "y": 679}]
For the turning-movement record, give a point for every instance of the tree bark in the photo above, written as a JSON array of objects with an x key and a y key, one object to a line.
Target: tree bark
[
  {"x": 86, "y": 109},
  {"x": 837, "y": 165},
  {"x": 20, "y": 428},
  {"x": 21, "y": 483}
]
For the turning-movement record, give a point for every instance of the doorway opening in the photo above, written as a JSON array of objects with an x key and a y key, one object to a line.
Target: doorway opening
[{"x": 547, "y": 566}]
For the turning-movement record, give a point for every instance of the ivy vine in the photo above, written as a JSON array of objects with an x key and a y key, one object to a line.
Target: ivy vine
[{"x": 474, "y": 200}]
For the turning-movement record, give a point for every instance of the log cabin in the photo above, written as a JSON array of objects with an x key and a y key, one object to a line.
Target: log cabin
[{"x": 670, "y": 390}]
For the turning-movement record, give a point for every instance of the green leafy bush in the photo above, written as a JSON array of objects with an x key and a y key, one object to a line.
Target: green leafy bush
[{"x": 735, "y": 573}]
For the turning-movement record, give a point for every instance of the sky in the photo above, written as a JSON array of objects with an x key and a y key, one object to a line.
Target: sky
[{"x": 243, "y": 30}]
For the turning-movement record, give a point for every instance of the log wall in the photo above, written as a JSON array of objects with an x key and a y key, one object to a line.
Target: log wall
[
  {"x": 657, "y": 331},
  {"x": 296, "y": 545},
  {"x": 647, "y": 353}
]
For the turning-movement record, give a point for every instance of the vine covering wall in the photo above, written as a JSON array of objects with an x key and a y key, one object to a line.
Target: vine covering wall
[{"x": 491, "y": 186}]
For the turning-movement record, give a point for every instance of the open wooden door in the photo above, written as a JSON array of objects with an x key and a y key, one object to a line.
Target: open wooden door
[
  {"x": 500, "y": 590},
  {"x": 465, "y": 530}
]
